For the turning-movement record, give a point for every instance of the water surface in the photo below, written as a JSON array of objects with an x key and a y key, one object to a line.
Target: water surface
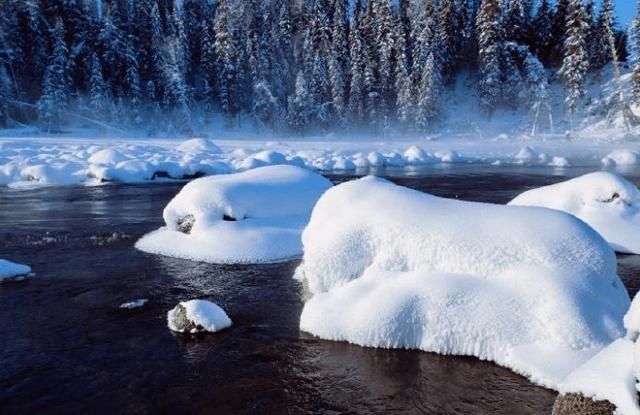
[{"x": 67, "y": 347}]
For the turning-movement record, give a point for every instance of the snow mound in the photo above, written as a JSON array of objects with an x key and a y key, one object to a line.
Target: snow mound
[
  {"x": 606, "y": 201},
  {"x": 531, "y": 289},
  {"x": 12, "y": 271},
  {"x": 250, "y": 217},
  {"x": 197, "y": 316},
  {"x": 199, "y": 145},
  {"x": 608, "y": 376},
  {"x": 621, "y": 158}
]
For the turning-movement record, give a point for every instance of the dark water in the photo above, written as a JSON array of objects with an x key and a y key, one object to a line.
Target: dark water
[{"x": 66, "y": 347}]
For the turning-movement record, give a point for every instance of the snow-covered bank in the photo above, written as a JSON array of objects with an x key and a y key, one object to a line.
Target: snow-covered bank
[
  {"x": 531, "y": 289},
  {"x": 11, "y": 271},
  {"x": 607, "y": 202},
  {"x": 249, "y": 217},
  {"x": 41, "y": 161}
]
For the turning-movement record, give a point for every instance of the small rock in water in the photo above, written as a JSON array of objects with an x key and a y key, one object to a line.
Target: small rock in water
[
  {"x": 577, "y": 404},
  {"x": 197, "y": 316},
  {"x": 140, "y": 302}
]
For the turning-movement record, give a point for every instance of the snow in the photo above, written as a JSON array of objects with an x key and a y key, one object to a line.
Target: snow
[
  {"x": 632, "y": 319},
  {"x": 531, "y": 289},
  {"x": 12, "y": 271},
  {"x": 66, "y": 160},
  {"x": 608, "y": 376},
  {"x": 201, "y": 315},
  {"x": 606, "y": 201},
  {"x": 250, "y": 217},
  {"x": 131, "y": 305}
]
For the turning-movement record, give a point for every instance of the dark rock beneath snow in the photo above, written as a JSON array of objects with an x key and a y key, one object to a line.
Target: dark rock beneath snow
[
  {"x": 179, "y": 322},
  {"x": 577, "y": 404},
  {"x": 185, "y": 224}
]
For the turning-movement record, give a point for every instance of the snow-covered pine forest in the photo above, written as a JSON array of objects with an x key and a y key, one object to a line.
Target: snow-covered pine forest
[{"x": 293, "y": 65}]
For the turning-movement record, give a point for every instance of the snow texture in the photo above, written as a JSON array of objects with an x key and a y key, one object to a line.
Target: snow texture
[
  {"x": 608, "y": 376},
  {"x": 606, "y": 201},
  {"x": 197, "y": 316},
  {"x": 54, "y": 161},
  {"x": 532, "y": 289},
  {"x": 250, "y": 217},
  {"x": 12, "y": 271},
  {"x": 138, "y": 303}
]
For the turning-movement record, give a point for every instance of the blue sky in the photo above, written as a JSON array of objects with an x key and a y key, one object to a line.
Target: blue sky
[{"x": 626, "y": 10}]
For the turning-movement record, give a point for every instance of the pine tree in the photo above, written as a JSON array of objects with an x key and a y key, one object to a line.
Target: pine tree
[
  {"x": 516, "y": 22},
  {"x": 208, "y": 62},
  {"x": 357, "y": 61},
  {"x": 98, "y": 97},
  {"x": 540, "y": 32},
  {"x": 604, "y": 46},
  {"x": 449, "y": 37},
  {"x": 428, "y": 102},
  {"x": 56, "y": 83},
  {"x": 300, "y": 104},
  {"x": 227, "y": 61},
  {"x": 489, "y": 38},
  {"x": 403, "y": 85},
  {"x": 576, "y": 61},
  {"x": 635, "y": 79},
  {"x": 557, "y": 35}
]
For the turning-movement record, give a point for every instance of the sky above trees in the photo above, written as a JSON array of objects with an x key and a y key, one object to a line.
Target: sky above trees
[{"x": 625, "y": 11}]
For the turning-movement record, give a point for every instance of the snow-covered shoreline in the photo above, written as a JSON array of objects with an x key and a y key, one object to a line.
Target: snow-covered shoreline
[{"x": 50, "y": 161}]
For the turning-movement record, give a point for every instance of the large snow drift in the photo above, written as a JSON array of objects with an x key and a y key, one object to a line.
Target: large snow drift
[
  {"x": 606, "y": 201},
  {"x": 249, "y": 217},
  {"x": 11, "y": 271},
  {"x": 532, "y": 289}
]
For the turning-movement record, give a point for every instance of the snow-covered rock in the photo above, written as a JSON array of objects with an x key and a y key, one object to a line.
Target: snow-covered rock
[
  {"x": 621, "y": 158},
  {"x": 197, "y": 316},
  {"x": 608, "y": 376},
  {"x": 107, "y": 157},
  {"x": 606, "y": 201},
  {"x": 13, "y": 271},
  {"x": 199, "y": 145},
  {"x": 416, "y": 156},
  {"x": 531, "y": 289},
  {"x": 250, "y": 217}
]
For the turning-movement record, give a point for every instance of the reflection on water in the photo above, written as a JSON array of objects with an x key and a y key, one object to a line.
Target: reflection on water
[{"x": 67, "y": 347}]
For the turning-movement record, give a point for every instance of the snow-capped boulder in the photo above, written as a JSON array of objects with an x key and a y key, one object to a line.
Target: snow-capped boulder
[
  {"x": 250, "y": 217},
  {"x": 11, "y": 271},
  {"x": 107, "y": 157},
  {"x": 621, "y": 158},
  {"x": 197, "y": 316},
  {"x": 199, "y": 145},
  {"x": 607, "y": 377},
  {"x": 606, "y": 201},
  {"x": 416, "y": 156},
  {"x": 532, "y": 289}
]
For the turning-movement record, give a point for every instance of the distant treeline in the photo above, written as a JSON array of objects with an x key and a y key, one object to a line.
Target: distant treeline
[{"x": 291, "y": 64}]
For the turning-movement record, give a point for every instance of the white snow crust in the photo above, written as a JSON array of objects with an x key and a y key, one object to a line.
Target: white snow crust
[
  {"x": 203, "y": 313},
  {"x": 606, "y": 201},
  {"x": 608, "y": 376},
  {"x": 269, "y": 206},
  {"x": 11, "y": 270},
  {"x": 84, "y": 159},
  {"x": 532, "y": 289}
]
